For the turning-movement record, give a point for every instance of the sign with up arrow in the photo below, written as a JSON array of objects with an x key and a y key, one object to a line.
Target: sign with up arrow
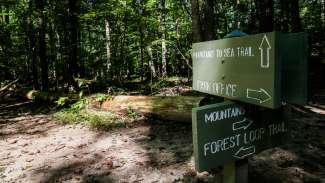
[
  {"x": 226, "y": 132},
  {"x": 245, "y": 68}
]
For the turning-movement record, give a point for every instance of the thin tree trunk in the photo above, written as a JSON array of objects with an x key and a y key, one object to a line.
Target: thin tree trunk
[
  {"x": 163, "y": 54},
  {"x": 42, "y": 47},
  {"x": 7, "y": 40},
  {"x": 295, "y": 18},
  {"x": 31, "y": 46},
  {"x": 265, "y": 11},
  {"x": 7, "y": 14},
  {"x": 151, "y": 63},
  {"x": 323, "y": 14},
  {"x": 252, "y": 23},
  {"x": 196, "y": 24},
  {"x": 1, "y": 11},
  {"x": 141, "y": 40},
  {"x": 108, "y": 46},
  {"x": 209, "y": 22},
  {"x": 284, "y": 14},
  {"x": 163, "y": 41},
  {"x": 73, "y": 46}
]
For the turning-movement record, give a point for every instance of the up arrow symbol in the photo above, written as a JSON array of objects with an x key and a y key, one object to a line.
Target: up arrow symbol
[{"x": 265, "y": 52}]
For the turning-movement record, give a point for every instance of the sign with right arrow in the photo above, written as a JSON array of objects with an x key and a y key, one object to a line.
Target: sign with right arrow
[
  {"x": 225, "y": 132},
  {"x": 245, "y": 68}
]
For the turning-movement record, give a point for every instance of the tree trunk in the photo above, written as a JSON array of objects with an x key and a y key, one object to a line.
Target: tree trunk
[
  {"x": 7, "y": 41},
  {"x": 163, "y": 41},
  {"x": 42, "y": 46},
  {"x": 151, "y": 63},
  {"x": 265, "y": 15},
  {"x": 295, "y": 18},
  {"x": 196, "y": 23},
  {"x": 108, "y": 46},
  {"x": 74, "y": 44},
  {"x": 31, "y": 46},
  {"x": 284, "y": 14},
  {"x": 252, "y": 23},
  {"x": 1, "y": 11},
  {"x": 7, "y": 14},
  {"x": 209, "y": 21}
]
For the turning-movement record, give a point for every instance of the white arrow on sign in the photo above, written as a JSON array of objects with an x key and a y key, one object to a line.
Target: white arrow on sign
[
  {"x": 244, "y": 152},
  {"x": 261, "y": 95},
  {"x": 265, "y": 52},
  {"x": 243, "y": 124}
]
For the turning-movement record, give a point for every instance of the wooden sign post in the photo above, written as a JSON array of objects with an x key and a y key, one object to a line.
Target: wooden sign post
[{"x": 260, "y": 70}]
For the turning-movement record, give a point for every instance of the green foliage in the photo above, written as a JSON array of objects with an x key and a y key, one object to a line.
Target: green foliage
[
  {"x": 93, "y": 119},
  {"x": 100, "y": 97},
  {"x": 62, "y": 101},
  {"x": 132, "y": 114},
  {"x": 80, "y": 104},
  {"x": 133, "y": 26}
]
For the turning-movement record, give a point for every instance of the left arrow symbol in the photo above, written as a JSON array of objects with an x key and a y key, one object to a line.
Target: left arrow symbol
[
  {"x": 244, "y": 152},
  {"x": 243, "y": 124}
]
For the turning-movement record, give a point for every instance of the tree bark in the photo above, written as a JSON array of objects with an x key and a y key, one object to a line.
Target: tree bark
[
  {"x": 140, "y": 11},
  {"x": 295, "y": 18},
  {"x": 265, "y": 15},
  {"x": 151, "y": 63},
  {"x": 108, "y": 46},
  {"x": 42, "y": 46},
  {"x": 31, "y": 47},
  {"x": 196, "y": 23},
  {"x": 163, "y": 40},
  {"x": 284, "y": 15},
  {"x": 74, "y": 44},
  {"x": 6, "y": 39},
  {"x": 209, "y": 21}
]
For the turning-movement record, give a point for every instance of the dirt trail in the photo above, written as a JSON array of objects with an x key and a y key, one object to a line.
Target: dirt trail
[{"x": 34, "y": 148}]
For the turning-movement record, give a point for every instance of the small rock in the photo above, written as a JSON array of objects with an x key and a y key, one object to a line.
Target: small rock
[
  {"x": 23, "y": 144},
  {"x": 13, "y": 141},
  {"x": 24, "y": 151},
  {"x": 29, "y": 159},
  {"x": 78, "y": 171},
  {"x": 139, "y": 163},
  {"x": 116, "y": 164},
  {"x": 109, "y": 163},
  {"x": 59, "y": 147}
]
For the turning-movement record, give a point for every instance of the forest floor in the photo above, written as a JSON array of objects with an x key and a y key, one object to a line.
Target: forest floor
[{"x": 35, "y": 148}]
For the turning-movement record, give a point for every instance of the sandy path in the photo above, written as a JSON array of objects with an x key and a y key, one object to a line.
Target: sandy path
[{"x": 36, "y": 149}]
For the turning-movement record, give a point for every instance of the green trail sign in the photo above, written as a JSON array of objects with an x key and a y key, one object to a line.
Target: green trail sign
[
  {"x": 242, "y": 68},
  {"x": 223, "y": 133}
]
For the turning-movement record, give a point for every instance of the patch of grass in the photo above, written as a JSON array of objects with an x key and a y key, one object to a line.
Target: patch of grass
[
  {"x": 132, "y": 114},
  {"x": 91, "y": 118},
  {"x": 2, "y": 169}
]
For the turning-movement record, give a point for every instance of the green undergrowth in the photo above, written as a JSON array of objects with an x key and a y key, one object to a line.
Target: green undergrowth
[
  {"x": 79, "y": 113},
  {"x": 92, "y": 118}
]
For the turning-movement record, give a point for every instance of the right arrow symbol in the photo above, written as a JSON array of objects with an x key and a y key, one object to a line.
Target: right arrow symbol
[
  {"x": 265, "y": 52},
  {"x": 243, "y": 124},
  {"x": 260, "y": 95},
  {"x": 244, "y": 152}
]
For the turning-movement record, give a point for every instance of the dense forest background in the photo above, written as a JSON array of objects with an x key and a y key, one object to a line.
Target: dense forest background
[{"x": 50, "y": 44}]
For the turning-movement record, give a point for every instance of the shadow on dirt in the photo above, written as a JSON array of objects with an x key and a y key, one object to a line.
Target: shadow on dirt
[{"x": 168, "y": 143}]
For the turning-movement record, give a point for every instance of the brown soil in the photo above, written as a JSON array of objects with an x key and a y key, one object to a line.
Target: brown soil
[{"x": 34, "y": 148}]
